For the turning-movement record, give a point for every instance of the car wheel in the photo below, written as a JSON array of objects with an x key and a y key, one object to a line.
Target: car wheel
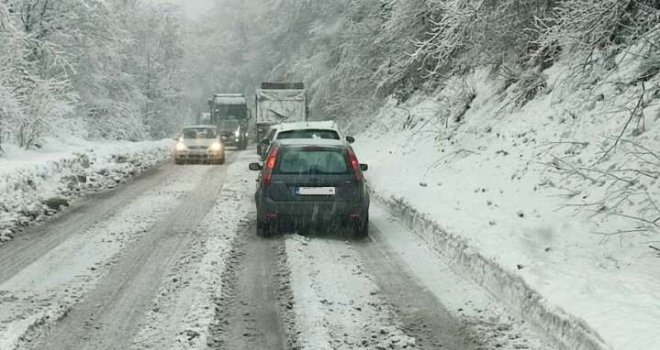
[
  {"x": 361, "y": 229},
  {"x": 261, "y": 232},
  {"x": 266, "y": 229},
  {"x": 242, "y": 144}
]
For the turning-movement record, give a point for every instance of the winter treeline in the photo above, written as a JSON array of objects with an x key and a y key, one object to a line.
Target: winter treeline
[
  {"x": 133, "y": 69},
  {"x": 93, "y": 68},
  {"x": 352, "y": 53}
]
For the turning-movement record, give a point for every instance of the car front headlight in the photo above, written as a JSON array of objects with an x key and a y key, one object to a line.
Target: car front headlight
[
  {"x": 180, "y": 146},
  {"x": 215, "y": 147},
  {"x": 237, "y": 132}
]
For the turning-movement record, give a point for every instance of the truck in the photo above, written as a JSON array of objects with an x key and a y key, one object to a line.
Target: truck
[
  {"x": 230, "y": 113},
  {"x": 279, "y": 103}
]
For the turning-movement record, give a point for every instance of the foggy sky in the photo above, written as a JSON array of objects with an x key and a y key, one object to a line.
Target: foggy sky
[{"x": 194, "y": 8}]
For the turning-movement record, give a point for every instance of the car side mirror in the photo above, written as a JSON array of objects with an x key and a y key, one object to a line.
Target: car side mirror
[
  {"x": 364, "y": 167},
  {"x": 255, "y": 166},
  {"x": 350, "y": 139}
]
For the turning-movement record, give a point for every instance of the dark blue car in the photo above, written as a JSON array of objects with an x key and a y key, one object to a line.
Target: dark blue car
[{"x": 311, "y": 182}]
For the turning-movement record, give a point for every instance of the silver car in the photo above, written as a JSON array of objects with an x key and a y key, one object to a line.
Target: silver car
[{"x": 199, "y": 143}]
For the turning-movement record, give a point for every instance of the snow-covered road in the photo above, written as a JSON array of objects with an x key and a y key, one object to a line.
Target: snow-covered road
[{"x": 171, "y": 261}]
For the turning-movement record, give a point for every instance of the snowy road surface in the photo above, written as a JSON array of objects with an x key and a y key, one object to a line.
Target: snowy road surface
[{"x": 171, "y": 261}]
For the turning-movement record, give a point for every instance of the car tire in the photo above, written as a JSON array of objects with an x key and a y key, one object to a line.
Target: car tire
[
  {"x": 242, "y": 144},
  {"x": 266, "y": 229},
  {"x": 261, "y": 232},
  {"x": 361, "y": 229}
]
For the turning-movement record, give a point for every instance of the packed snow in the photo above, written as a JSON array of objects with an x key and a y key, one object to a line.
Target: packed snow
[
  {"x": 49, "y": 287},
  {"x": 483, "y": 317},
  {"x": 336, "y": 304},
  {"x": 183, "y": 311}
]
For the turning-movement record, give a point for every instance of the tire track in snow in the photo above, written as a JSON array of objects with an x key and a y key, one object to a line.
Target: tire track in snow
[
  {"x": 94, "y": 208},
  {"x": 252, "y": 312},
  {"x": 44, "y": 290},
  {"x": 181, "y": 314},
  {"x": 108, "y": 316},
  {"x": 401, "y": 263},
  {"x": 335, "y": 302},
  {"x": 421, "y": 314}
]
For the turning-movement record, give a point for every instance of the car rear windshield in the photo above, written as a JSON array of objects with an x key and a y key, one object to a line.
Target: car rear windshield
[
  {"x": 313, "y": 160},
  {"x": 200, "y": 133},
  {"x": 308, "y": 134}
]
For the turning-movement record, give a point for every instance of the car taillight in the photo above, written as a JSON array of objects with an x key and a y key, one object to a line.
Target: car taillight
[
  {"x": 271, "y": 162},
  {"x": 355, "y": 165}
]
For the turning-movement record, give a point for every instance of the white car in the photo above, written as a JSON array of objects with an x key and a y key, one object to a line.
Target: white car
[
  {"x": 199, "y": 143},
  {"x": 303, "y": 130}
]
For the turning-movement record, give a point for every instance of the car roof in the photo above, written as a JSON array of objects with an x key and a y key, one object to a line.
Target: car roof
[
  {"x": 205, "y": 126},
  {"x": 312, "y": 142},
  {"x": 326, "y": 124}
]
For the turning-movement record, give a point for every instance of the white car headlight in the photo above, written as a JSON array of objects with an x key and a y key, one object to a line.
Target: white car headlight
[
  {"x": 180, "y": 146},
  {"x": 216, "y": 146},
  {"x": 237, "y": 132}
]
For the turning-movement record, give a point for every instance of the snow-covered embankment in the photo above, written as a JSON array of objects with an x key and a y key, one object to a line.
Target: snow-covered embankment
[
  {"x": 37, "y": 184},
  {"x": 527, "y": 198}
]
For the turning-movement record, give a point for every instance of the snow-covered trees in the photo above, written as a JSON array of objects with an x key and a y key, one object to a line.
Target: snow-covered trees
[
  {"x": 34, "y": 89},
  {"x": 132, "y": 69},
  {"x": 94, "y": 68},
  {"x": 348, "y": 51}
]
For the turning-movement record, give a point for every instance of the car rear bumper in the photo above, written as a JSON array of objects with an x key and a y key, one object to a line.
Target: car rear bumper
[{"x": 312, "y": 211}]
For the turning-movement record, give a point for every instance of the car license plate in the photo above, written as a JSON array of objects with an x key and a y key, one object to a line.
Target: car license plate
[{"x": 316, "y": 191}]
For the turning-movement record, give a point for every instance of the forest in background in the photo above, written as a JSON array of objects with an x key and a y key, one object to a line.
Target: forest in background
[
  {"x": 132, "y": 70},
  {"x": 92, "y": 68}
]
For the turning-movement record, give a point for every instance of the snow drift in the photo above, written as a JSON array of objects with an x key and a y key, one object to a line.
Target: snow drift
[{"x": 37, "y": 184}]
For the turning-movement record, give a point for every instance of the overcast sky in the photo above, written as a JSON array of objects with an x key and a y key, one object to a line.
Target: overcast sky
[{"x": 194, "y": 8}]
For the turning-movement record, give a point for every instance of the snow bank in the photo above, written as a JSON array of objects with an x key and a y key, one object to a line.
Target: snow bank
[
  {"x": 530, "y": 199},
  {"x": 37, "y": 184}
]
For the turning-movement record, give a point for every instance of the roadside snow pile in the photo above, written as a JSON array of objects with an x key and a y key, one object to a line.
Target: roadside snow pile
[
  {"x": 547, "y": 195},
  {"x": 37, "y": 184}
]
